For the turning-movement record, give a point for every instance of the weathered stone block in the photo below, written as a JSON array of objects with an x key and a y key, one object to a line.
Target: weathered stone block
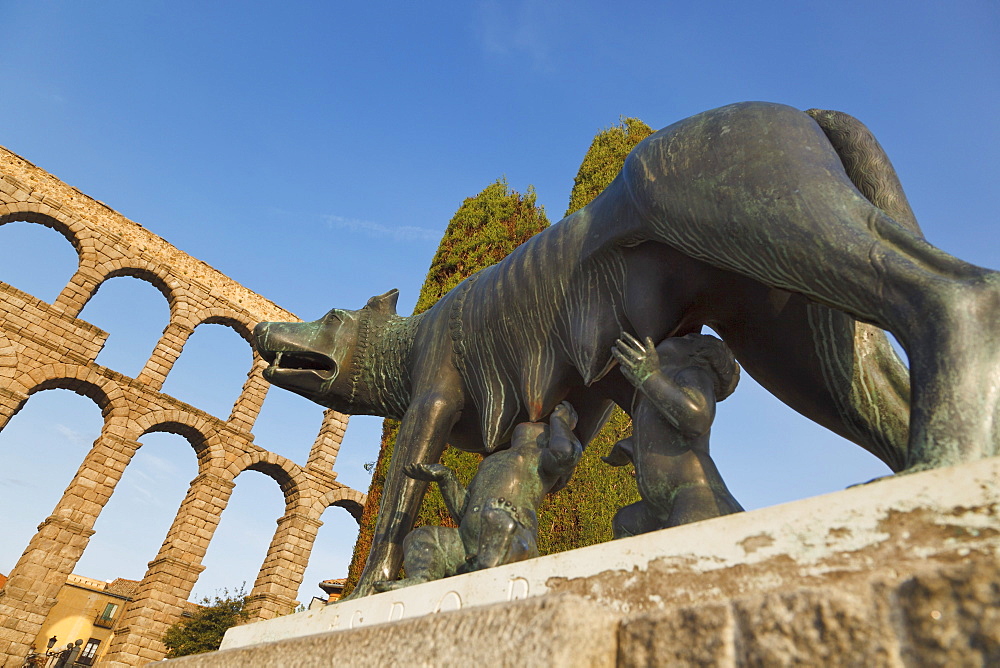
[
  {"x": 812, "y": 628},
  {"x": 556, "y": 631},
  {"x": 952, "y": 617},
  {"x": 693, "y": 636}
]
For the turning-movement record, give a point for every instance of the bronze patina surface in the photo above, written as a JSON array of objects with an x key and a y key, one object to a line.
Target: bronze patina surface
[
  {"x": 678, "y": 383},
  {"x": 497, "y": 515},
  {"x": 786, "y": 232}
]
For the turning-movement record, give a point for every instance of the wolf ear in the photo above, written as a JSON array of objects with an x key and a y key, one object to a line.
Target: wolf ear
[{"x": 385, "y": 304}]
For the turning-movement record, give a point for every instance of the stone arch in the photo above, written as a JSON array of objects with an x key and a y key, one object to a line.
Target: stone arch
[
  {"x": 247, "y": 399},
  {"x": 156, "y": 327},
  {"x": 155, "y": 275},
  {"x": 73, "y": 230},
  {"x": 289, "y": 475},
  {"x": 103, "y": 391},
  {"x": 240, "y": 322},
  {"x": 79, "y": 236},
  {"x": 349, "y": 499},
  {"x": 198, "y": 430}
]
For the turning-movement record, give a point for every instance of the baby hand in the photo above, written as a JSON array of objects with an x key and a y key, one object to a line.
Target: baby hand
[
  {"x": 638, "y": 361},
  {"x": 428, "y": 472},
  {"x": 564, "y": 413}
]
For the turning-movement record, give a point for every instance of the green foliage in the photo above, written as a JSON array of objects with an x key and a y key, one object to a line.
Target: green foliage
[
  {"x": 605, "y": 159},
  {"x": 203, "y": 631},
  {"x": 484, "y": 230}
]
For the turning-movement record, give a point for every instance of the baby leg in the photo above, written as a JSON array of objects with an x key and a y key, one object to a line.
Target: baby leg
[
  {"x": 429, "y": 553},
  {"x": 635, "y": 519}
]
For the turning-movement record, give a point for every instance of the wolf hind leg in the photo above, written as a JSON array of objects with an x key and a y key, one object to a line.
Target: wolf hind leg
[
  {"x": 824, "y": 364},
  {"x": 869, "y": 382},
  {"x": 871, "y": 171},
  {"x": 953, "y": 345},
  {"x": 944, "y": 312}
]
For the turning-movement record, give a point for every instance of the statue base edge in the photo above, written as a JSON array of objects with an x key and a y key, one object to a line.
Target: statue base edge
[{"x": 904, "y": 571}]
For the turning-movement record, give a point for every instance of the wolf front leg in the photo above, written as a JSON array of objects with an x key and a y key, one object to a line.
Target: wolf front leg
[{"x": 422, "y": 437}]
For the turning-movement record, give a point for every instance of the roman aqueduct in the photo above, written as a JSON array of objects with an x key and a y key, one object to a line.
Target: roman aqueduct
[{"x": 45, "y": 346}]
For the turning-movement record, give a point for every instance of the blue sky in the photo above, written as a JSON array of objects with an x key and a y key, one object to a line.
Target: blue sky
[{"x": 314, "y": 151}]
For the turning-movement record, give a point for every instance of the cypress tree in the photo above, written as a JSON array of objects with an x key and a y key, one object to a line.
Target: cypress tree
[{"x": 604, "y": 160}]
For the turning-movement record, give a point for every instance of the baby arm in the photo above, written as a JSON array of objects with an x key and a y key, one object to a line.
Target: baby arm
[
  {"x": 684, "y": 397},
  {"x": 564, "y": 449},
  {"x": 455, "y": 495}
]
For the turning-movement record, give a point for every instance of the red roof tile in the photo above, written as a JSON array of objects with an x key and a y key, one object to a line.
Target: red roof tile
[{"x": 123, "y": 587}]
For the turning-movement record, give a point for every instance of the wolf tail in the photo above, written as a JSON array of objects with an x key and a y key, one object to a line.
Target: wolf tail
[
  {"x": 878, "y": 370},
  {"x": 867, "y": 165}
]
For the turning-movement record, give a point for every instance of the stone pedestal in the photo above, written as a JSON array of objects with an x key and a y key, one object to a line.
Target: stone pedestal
[{"x": 902, "y": 572}]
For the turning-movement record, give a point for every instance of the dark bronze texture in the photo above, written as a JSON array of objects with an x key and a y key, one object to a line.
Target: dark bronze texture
[{"x": 786, "y": 232}]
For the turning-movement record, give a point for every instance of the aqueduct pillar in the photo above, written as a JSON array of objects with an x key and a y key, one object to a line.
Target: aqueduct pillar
[
  {"x": 61, "y": 539},
  {"x": 172, "y": 574}
]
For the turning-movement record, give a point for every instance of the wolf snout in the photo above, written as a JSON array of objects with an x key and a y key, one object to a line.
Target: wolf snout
[
  {"x": 273, "y": 338},
  {"x": 260, "y": 333}
]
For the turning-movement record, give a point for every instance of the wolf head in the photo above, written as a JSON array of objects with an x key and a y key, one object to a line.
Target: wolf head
[{"x": 321, "y": 359}]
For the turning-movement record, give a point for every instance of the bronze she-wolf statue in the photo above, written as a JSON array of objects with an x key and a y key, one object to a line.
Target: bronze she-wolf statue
[{"x": 786, "y": 232}]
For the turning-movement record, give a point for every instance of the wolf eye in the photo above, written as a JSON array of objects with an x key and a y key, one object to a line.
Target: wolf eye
[{"x": 333, "y": 314}]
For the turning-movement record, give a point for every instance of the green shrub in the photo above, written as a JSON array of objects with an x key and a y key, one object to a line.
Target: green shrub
[
  {"x": 604, "y": 160},
  {"x": 203, "y": 630}
]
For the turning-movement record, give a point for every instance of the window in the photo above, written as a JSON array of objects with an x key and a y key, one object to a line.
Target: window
[
  {"x": 106, "y": 619},
  {"x": 89, "y": 652},
  {"x": 109, "y": 611}
]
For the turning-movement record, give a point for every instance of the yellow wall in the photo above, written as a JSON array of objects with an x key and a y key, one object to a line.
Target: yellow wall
[{"x": 79, "y": 603}]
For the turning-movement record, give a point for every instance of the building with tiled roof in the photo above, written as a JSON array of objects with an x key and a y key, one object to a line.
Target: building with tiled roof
[
  {"x": 123, "y": 587},
  {"x": 333, "y": 588},
  {"x": 86, "y": 610}
]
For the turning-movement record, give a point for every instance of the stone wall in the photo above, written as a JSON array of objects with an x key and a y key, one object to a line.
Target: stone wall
[
  {"x": 45, "y": 346},
  {"x": 902, "y": 572}
]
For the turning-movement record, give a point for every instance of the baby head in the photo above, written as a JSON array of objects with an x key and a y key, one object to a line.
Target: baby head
[{"x": 711, "y": 354}]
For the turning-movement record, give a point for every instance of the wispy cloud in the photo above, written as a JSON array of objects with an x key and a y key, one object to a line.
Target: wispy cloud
[
  {"x": 401, "y": 233},
  {"x": 159, "y": 467},
  {"x": 147, "y": 479},
  {"x": 141, "y": 493},
  {"x": 73, "y": 436},
  {"x": 15, "y": 482},
  {"x": 509, "y": 28},
  {"x": 397, "y": 233}
]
